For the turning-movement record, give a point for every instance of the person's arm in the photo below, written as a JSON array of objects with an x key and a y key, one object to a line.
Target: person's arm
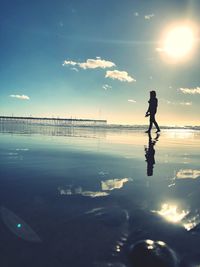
[
  {"x": 156, "y": 102},
  {"x": 148, "y": 111}
]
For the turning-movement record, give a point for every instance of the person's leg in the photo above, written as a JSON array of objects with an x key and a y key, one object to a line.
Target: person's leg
[
  {"x": 155, "y": 123},
  {"x": 150, "y": 123}
]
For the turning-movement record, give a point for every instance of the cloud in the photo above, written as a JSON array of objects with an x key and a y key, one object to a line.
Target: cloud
[
  {"x": 136, "y": 14},
  {"x": 96, "y": 63},
  {"x": 186, "y": 103},
  {"x": 69, "y": 62},
  {"x": 149, "y": 16},
  {"x": 179, "y": 103},
  {"x": 22, "y": 97},
  {"x": 106, "y": 87},
  {"x": 119, "y": 75},
  {"x": 91, "y": 63},
  {"x": 191, "y": 91},
  {"x": 131, "y": 101},
  {"x": 75, "y": 69}
]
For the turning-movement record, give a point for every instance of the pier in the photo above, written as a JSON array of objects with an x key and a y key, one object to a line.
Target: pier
[{"x": 52, "y": 121}]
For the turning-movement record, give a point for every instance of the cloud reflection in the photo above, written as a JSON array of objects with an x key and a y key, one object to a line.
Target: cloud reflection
[
  {"x": 114, "y": 184},
  {"x": 107, "y": 185},
  {"x": 79, "y": 191},
  {"x": 188, "y": 173},
  {"x": 192, "y": 222}
]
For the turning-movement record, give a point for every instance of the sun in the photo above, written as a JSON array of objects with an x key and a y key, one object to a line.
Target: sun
[{"x": 179, "y": 42}]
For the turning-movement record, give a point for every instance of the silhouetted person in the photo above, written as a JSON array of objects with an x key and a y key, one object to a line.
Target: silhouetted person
[
  {"x": 153, "y": 104},
  {"x": 150, "y": 154}
]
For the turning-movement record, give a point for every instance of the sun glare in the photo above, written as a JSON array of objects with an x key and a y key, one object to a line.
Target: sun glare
[
  {"x": 171, "y": 213},
  {"x": 179, "y": 42}
]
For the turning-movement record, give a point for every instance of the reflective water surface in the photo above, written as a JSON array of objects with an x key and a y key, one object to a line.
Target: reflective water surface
[{"x": 83, "y": 196}]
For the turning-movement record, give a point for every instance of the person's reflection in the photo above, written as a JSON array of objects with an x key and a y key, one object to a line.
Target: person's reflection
[{"x": 150, "y": 153}]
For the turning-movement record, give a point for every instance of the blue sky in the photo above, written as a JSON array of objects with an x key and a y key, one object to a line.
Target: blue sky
[{"x": 96, "y": 59}]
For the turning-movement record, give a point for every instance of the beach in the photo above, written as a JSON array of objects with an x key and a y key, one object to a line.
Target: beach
[{"x": 75, "y": 196}]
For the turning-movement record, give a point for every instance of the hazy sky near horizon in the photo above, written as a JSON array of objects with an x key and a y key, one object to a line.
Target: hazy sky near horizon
[{"x": 97, "y": 59}]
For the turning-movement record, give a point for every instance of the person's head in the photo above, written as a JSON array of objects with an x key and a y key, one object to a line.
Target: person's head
[{"x": 152, "y": 94}]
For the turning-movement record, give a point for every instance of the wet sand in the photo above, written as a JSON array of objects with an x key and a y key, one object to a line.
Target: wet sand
[{"x": 86, "y": 195}]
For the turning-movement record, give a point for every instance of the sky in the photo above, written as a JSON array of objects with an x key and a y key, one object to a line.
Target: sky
[{"x": 98, "y": 59}]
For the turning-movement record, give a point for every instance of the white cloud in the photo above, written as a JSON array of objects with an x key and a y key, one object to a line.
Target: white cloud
[
  {"x": 191, "y": 91},
  {"x": 69, "y": 62},
  {"x": 149, "y": 16},
  {"x": 96, "y": 63},
  {"x": 91, "y": 63},
  {"x": 119, "y": 75},
  {"x": 106, "y": 87},
  {"x": 136, "y": 14},
  {"x": 75, "y": 69},
  {"x": 22, "y": 97},
  {"x": 131, "y": 100},
  {"x": 186, "y": 103},
  {"x": 179, "y": 103}
]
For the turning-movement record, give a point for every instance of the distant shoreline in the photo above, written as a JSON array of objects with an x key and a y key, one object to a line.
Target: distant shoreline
[
  {"x": 83, "y": 123},
  {"x": 106, "y": 126}
]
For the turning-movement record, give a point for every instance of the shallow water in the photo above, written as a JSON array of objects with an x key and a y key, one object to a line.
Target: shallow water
[{"x": 82, "y": 196}]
